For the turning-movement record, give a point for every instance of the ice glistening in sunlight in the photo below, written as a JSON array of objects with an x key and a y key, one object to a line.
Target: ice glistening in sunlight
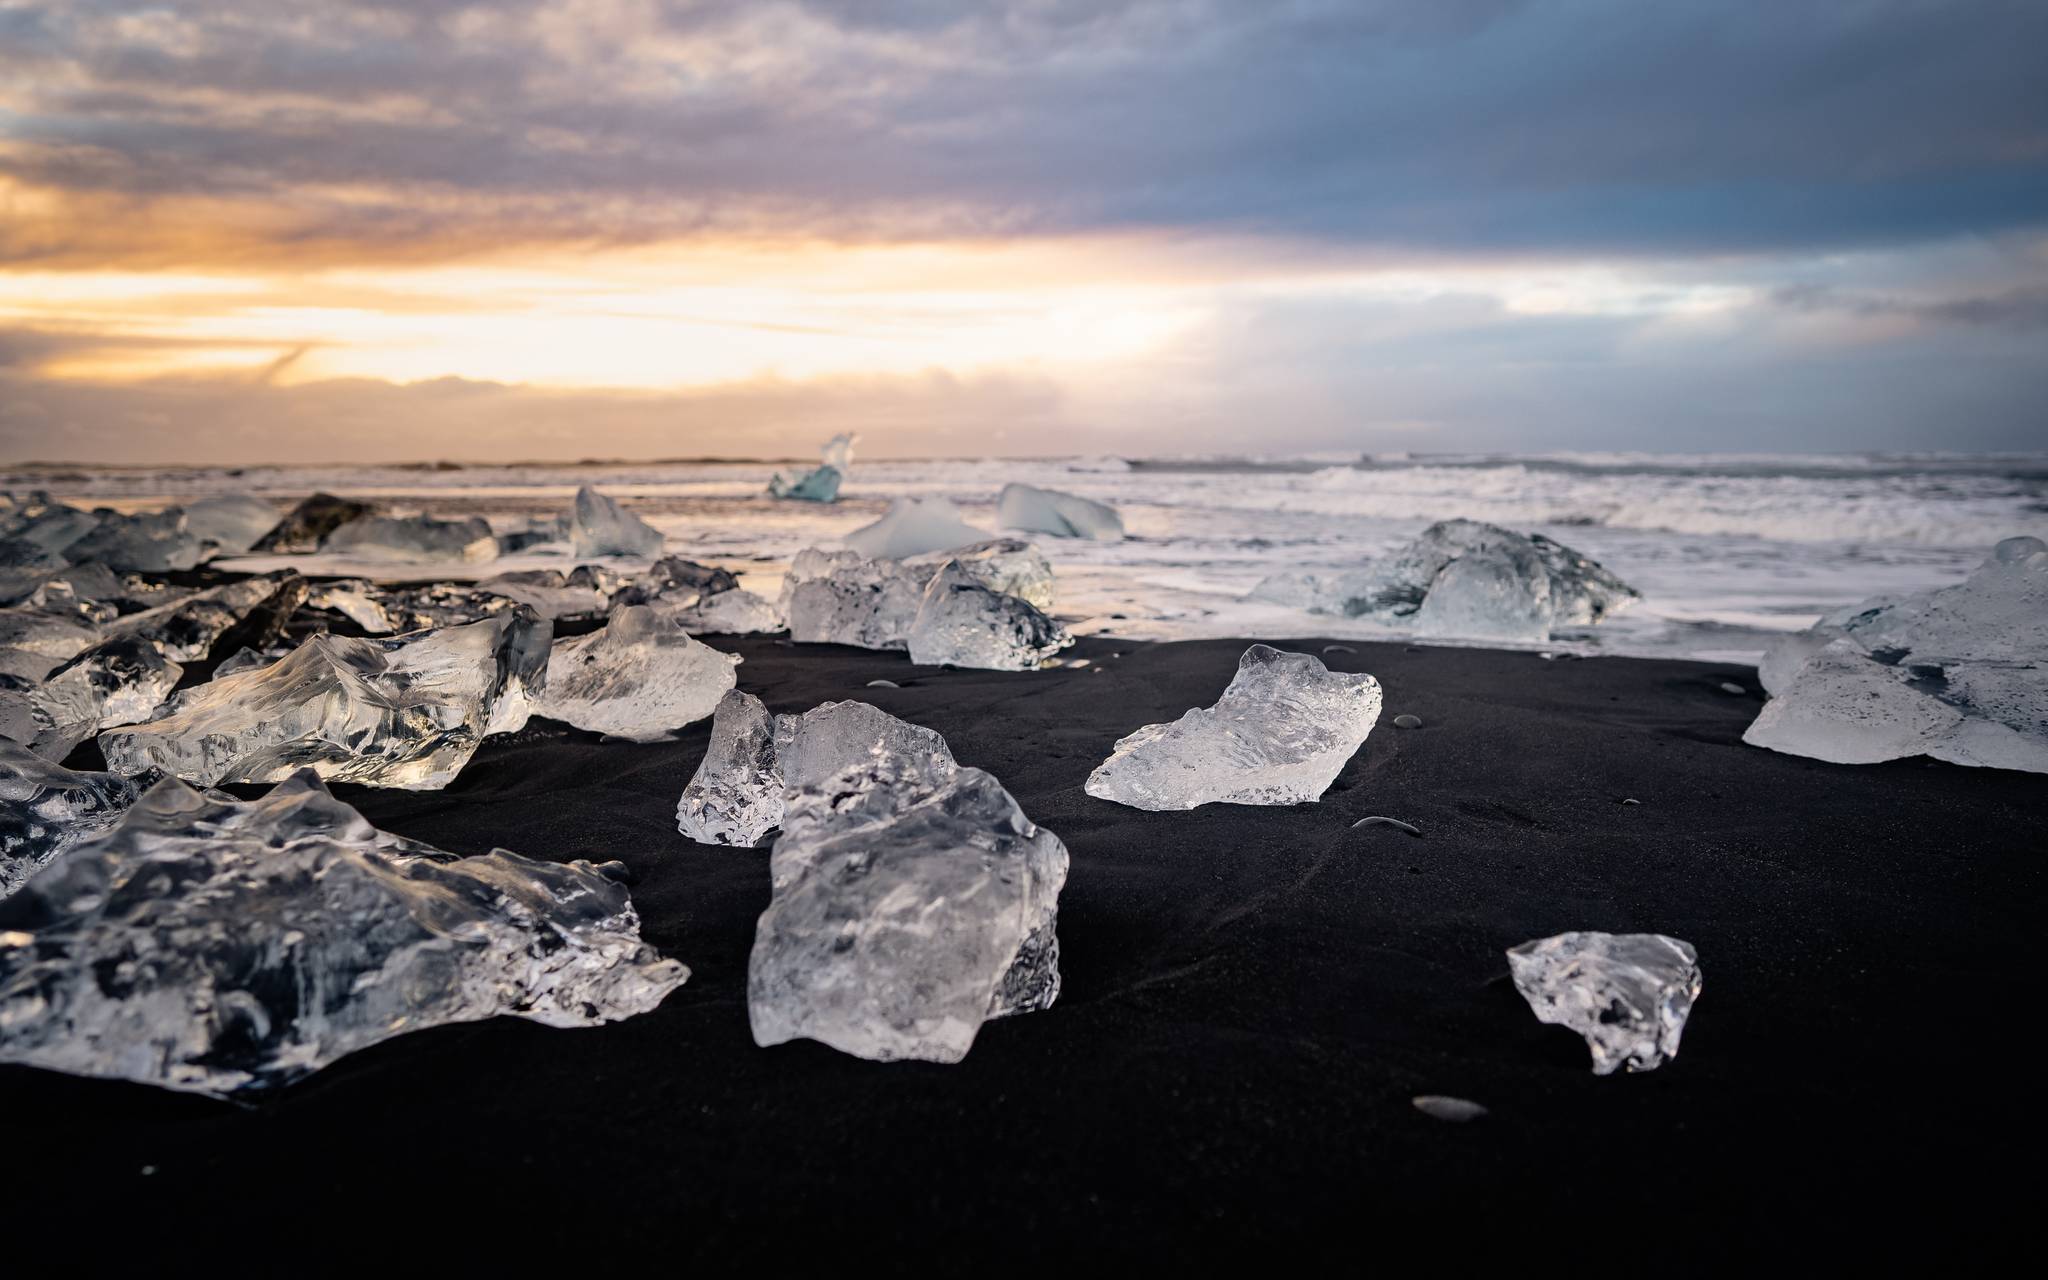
[
  {"x": 46, "y": 808},
  {"x": 223, "y": 946},
  {"x": 639, "y": 677},
  {"x": 1628, "y": 994}
]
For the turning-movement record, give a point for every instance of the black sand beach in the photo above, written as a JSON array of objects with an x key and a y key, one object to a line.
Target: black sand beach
[{"x": 1252, "y": 997}]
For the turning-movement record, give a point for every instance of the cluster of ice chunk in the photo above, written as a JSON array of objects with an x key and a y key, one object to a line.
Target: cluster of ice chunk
[
  {"x": 1280, "y": 734},
  {"x": 1467, "y": 580},
  {"x": 37, "y": 531},
  {"x": 1628, "y": 994},
  {"x": 1063, "y": 515},
  {"x": 46, "y": 808},
  {"x": 222, "y": 946},
  {"x": 414, "y": 539},
  {"x": 1960, "y": 674},
  {"x": 638, "y": 677},
  {"x": 979, "y": 606}
]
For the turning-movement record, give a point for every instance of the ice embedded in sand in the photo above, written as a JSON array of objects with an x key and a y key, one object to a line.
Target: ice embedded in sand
[
  {"x": 737, "y": 794},
  {"x": 404, "y": 712},
  {"x": 912, "y": 527},
  {"x": 1063, "y": 515},
  {"x": 46, "y": 808},
  {"x": 1959, "y": 673},
  {"x": 1280, "y": 734},
  {"x": 414, "y": 540},
  {"x": 222, "y": 946},
  {"x": 960, "y": 622},
  {"x": 1628, "y": 994},
  {"x": 913, "y": 901},
  {"x": 599, "y": 526},
  {"x": 638, "y": 677},
  {"x": 119, "y": 681}
]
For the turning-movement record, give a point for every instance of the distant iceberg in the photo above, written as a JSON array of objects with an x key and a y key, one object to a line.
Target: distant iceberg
[{"x": 822, "y": 484}]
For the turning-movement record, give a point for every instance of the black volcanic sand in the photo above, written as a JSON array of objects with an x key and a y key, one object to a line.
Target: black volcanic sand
[{"x": 1253, "y": 996}]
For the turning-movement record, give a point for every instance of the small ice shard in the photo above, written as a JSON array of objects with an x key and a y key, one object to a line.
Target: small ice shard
[
  {"x": 414, "y": 539},
  {"x": 1628, "y": 994},
  {"x": 222, "y": 946},
  {"x": 46, "y": 808},
  {"x": 1454, "y": 1110},
  {"x": 1959, "y": 674},
  {"x": 913, "y": 900},
  {"x": 736, "y": 796},
  {"x": 583, "y": 593},
  {"x": 157, "y": 542},
  {"x": 822, "y": 483},
  {"x": 674, "y": 578},
  {"x": 1022, "y": 506},
  {"x": 307, "y": 525},
  {"x": 1008, "y": 565},
  {"x": 439, "y": 604},
  {"x": 231, "y": 524},
  {"x": 1281, "y": 733},
  {"x": 913, "y": 527},
  {"x": 186, "y": 629},
  {"x": 729, "y": 613},
  {"x": 119, "y": 681},
  {"x": 962, "y": 623},
  {"x": 599, "y": 526},
  {"x": 405, "y": 712},
  {"x": 638, "y": 677},
  {"x": 355, "y": 600},
  {"x": 843, "y": 597}
]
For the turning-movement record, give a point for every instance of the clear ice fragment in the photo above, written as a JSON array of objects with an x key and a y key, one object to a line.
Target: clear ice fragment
[
  {"x": 1023, "y": 506},
  {"x": 186, "y": 629},
  {"x": 222, "y": 946},
  {"x": 729, "y": 613},
  {"x": 231, "y": 524},
  {"x": 1628, "y": 994},
  {"x": 1280, "y": 734},
  {"x": 843, "y": 597},
  {"x": 46, "y": 808},
  {"x": 120, "y": 681},
  {"x": 962, "y": 623},
  {"x": 1013, "y": 567},
  {"x": 821, "y": 484},
  {"x": 599, "y": 526},
  {"x": 158, "y": 542},
  {"x": 307, "y": 525},
  {"x": 913, "y": 527},
  {"x": 414, "y": 540},
  {"x": 639, "y": 677}
]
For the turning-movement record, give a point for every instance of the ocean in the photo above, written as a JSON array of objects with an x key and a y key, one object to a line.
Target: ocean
[{"x": 1728, "y": 550}]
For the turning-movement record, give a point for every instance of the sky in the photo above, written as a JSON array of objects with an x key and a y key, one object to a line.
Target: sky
[{"x": 390, "y": 230}]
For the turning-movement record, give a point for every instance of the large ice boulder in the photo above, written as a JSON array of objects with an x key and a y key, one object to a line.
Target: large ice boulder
[
  {"x": 1959, "y": 673},
  {"x": 913, "y": 527},
  {"x": 1063, "y": 515},
  {"x": 843, "y": 597}
]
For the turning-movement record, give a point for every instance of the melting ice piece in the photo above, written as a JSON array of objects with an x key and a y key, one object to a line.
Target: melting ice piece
[
  {"x": 1960, "y": 674},
  {"x": 585, "y": 592},
  {"x": 639, "y": 677},
  {"x": 737, "y": 793},
  {"x": 913, "y": 527},
  {"x": 821, "y": 484},
  {"x": 1280, "y": 734},
  {"x": 405, "y": 712},
  {"x": 414, "y": 539},
  {"x": 1021, "y": 506},
  {"x": 729, "y": 613},
  {"x": 307, "y": 525},
  {"x": 1628, "y": 994},
  {"x": 231, "y": 524},
  {"x": 46, "y": 808},
  {"x": 258, "y": 941},
  {"x": 599, "y": 526},
  {"x": 39, "y": 529},
  {"x": 355, "y": 600},
  {"x": 157, "y": 542},
  {"x": 121, "y": 681},
  {"x": 52, "y": 634},
  {"x": 1008, "y": 565},
  {"x": 186, "y": 629},
  {"x": 962, "y": 623},
  {"x": 842, "y": 597},
  {"x": 912, "y": 902}
]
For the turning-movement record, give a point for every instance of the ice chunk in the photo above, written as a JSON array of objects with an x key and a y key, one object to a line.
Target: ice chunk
[
  {"x": 52, "y": 634},
  {"x": 729, "y": 613},
  {"x": 252, "y": 611},
  {"x": 1008, "y": 565},
  {"x": 36, "y": 587},
  {"x": 639, "y": 677},
  {"x": 120, "y": 681},
  {"x": 405, "y": 712},
  {"x": 158, "y": 542},
  {"x": 223, "y": 946},
  {"x": 838, "y": 451},
  {"x": 1628, "y": 994},
  {"x": 355, "y": 600},
  {"x": 842, "y": 597},
  {"x": 601, "y": 527},
  {"x": 531, "y": 534},
  {"x": 1022, "y": 506},
  {"x": 1960, "y": 674},
  {"x": 736, "y": 795},
  {"x": 232, "y": 524},
  {"x": 584, "y": 593},
  {"x": 1280, "y": 734},
  {"x": 912, "y": 902},
  {"x": 46, "y": 808},
  {"x": 414, "y": 539},
  {"x": 1495, "y": 593},
  {"x": 821, "y": 484},
  {"x": 39, "y": 530},
  {"x": 308, "y": 525},
  {"x": 913, "y": 527},
  {"x": 962, "y": 623}
]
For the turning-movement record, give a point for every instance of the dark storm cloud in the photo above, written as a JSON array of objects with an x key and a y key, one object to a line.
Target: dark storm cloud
[{"x": 1460, "y": 125}]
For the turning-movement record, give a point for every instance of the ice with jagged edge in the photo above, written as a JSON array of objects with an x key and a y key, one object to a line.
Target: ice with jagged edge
[
  {"x": 843, "y": 597},
  {"x": 639, "y": 677},
  {"x": 1959, "y": 674},
  {"x": 1063, "y": 515},
  {"x": 962, "y": 623},
  {"x": 599, "y": 526},
  {"x": 1465, "y": 579},
  {"x": 584, "y": 592},
  {"x": 912, "y": 527},
  {"x": 414, "y": 540},
  {"x": 231, "y": 523},
  {"x": 153, "y": 542},
  {"x": 35, "y": 530},
  {"x": 822, "y": 483},
  {"x": 306, "y": 526},
  {"x": 186, "y": 629},
  {"x": 1009, "y": 565},
  {"x": 354, "y": 599},
  {"x": 1280, "y": 734},
  {"x": 119, "y": 681},
  {"x": 222, "y": 946},
  {"x": 912, "y": 901},
  {"x": 46, "y": 808},
  {"x": 675, "y": 579},
  {"x": 402, "y": 712},
  {"x": 1628, "y": 994},
  {"x": 729, "y": 613},
  {"x": 736, "y": 796}
]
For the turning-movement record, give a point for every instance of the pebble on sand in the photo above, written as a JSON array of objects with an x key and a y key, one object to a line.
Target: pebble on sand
[
  {"x": 1396, "y": 823},
  {"x": 1455, "y": 1110},
  {"x": 1729, "y": 686},
  {"x": 883, "y": 684},
  {"x": 1407, "y": 722}
]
